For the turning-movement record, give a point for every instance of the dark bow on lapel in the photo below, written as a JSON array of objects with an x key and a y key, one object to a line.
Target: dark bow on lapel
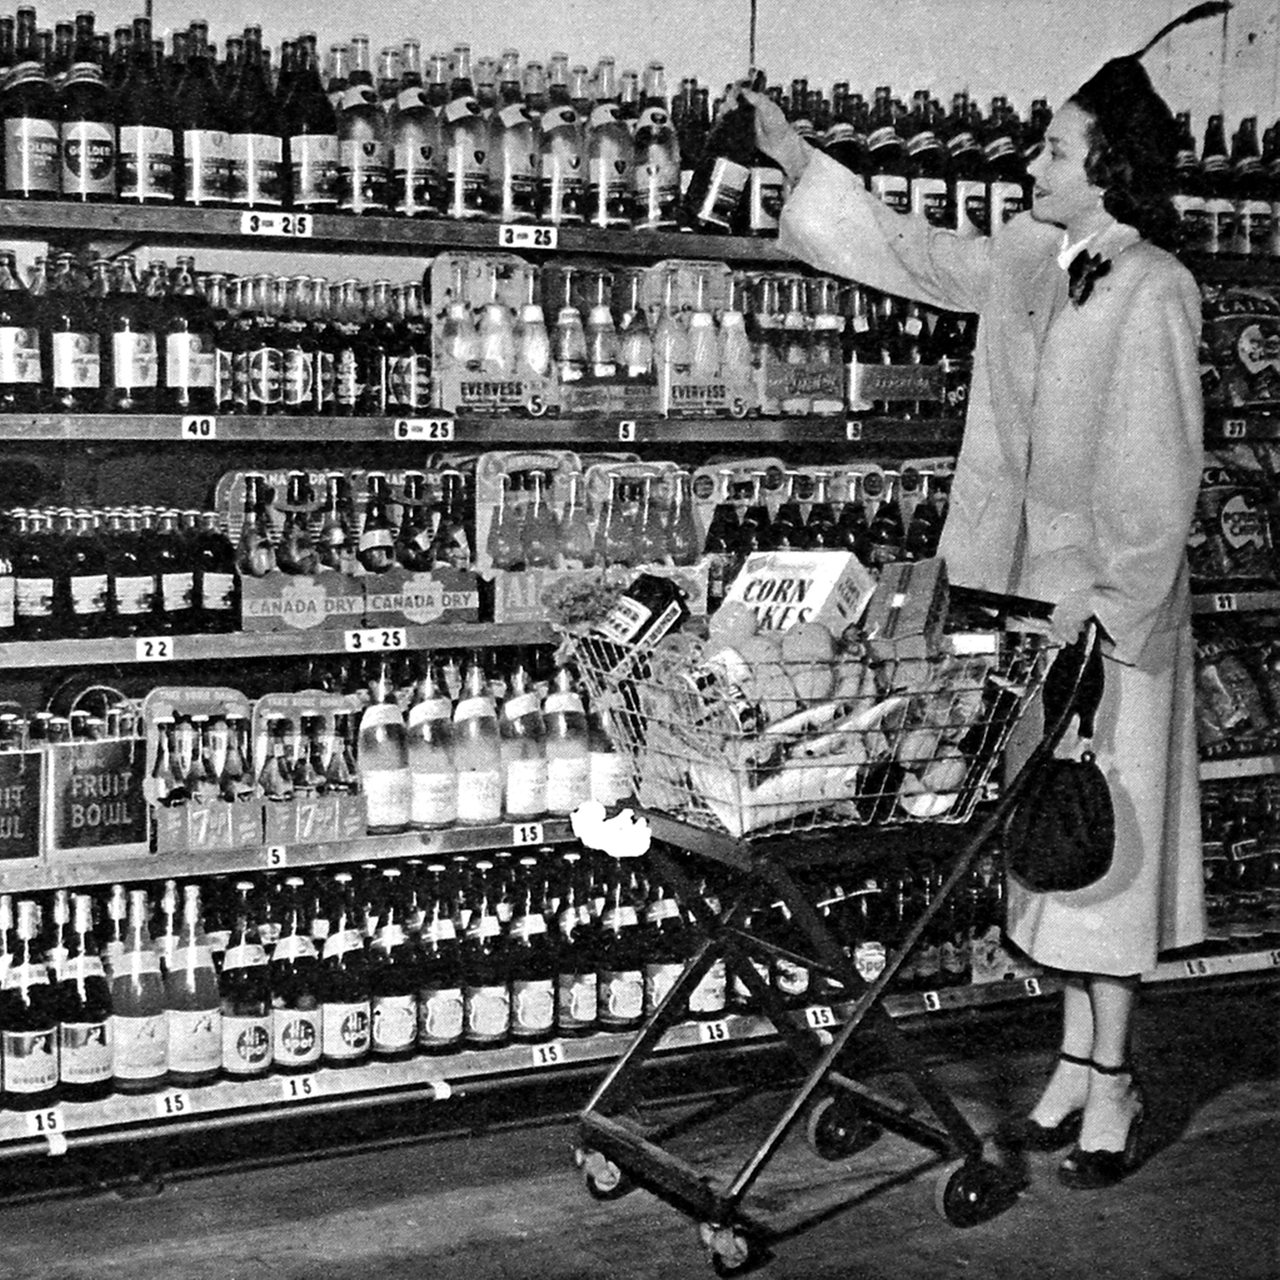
[{"x": 1083, "y": 272}]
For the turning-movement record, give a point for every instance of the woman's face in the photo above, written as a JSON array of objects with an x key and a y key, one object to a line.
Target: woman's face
[{"x": 1063, "y": 194}]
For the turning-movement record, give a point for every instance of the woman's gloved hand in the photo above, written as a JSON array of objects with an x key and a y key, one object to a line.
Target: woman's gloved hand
[
  {"x": 774, "y": 134},
  {"x": 1070, "y": 616}
]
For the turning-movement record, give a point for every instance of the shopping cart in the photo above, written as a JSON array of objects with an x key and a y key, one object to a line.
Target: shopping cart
[{"x": 732, "y": 764}]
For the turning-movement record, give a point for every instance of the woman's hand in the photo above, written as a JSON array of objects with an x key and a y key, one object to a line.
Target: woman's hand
[
  {"x": 774, "y": 134},
  {"x": 1070, "y": 617}
]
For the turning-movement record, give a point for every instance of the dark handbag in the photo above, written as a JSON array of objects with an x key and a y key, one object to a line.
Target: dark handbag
[{"x": 1061, "y": 830}]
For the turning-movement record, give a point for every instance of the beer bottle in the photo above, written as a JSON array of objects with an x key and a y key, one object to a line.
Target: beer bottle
[
  {"x": 174, "y": 603},
  {"x": 718, "y": 183},
  {"x": 1250, "y": 185},
  {"x": 466, "y": 143},
  {"x": 394, "y": 974},
  {"x": 147, "y": 158},
  {"x": 562, "y": 181},
  {"x": 129, "y": 341},
  {"x": 190, "y": 357},
  {"x": 364, "y": 158},
  {"x": 927, "y": 165},
  {"x": 533, "y": 960},
  {"x": 21, "y": 363},
  {"x": 667, "y": 942},
  {"x": 971, "y": 212},
  {"x": 28, "y": 1019},
  {"x": 1005, "y": 168},
  {"x": 431, "y": 761},
  {"x": 310, "y": 135},
  {"x": 245, "y": 989},
  {"x": 132, "y": 581},
  {"x": 440, "y": 996},
  {"x": 192, "y": 1003},
  {"x": 85, "y": 1044},
  {"x": 295, "y": 1000},
  {"x": 88, "y": 133},
  {"x": 577, "y": 955},
  {"x": 255, "y": 556},
  {"x": 257, "y": 148},
  {"x": 620, "y": 973},
  {"x": 138, "y": 1016},
  {"x": 1219, "y": 209},
  {"x": 204, "y": 126},
  {"x": 87, "y": 607},
  {"x": 486, "y": 985},
  {"x": 344, "y": 981},
  {"x": 29, "y": 109}
]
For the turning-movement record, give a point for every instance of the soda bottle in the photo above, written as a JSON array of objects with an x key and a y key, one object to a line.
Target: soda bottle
[
  {"x": 577, "y": 955},
  {"x": 296, "y": 551},
  {"x": 344, "y": 981},
  {"x": 382, "y": 758},
  {"x": 620, "y": 974},
  {"x": 886, "y": 154},
  {"x": 295, "y": 978},
  {"x": 666, "y": 943},
  {"x": 245, "y": 989},
  {"x": 86, "y": 1046},
  {"x": 174, "y": 603},
  {"x": 255, "y": 556},
  {"x": 971, "y": 211},
  {"x": 1251, "y": 190},
  {"x": 562, "y": 184},
  {"x": 129, "y": 341},
  {"x": 515, "y": 144},
  {"x": 310, "y": 135},
  {"x": 30, "y": 111},
  {"x": 364, "y": 165},
  {"x": 376, "y": 547},
  {"x": 466, "y": 143},
  {"x": 138, "y": 1015},
  {"x": 719, "y": 181},
  {"x": 147, "y": 159},
  {"x": 203, "y": 125},
  {"x": 193, "y": 1005},
  {"x": 440, "y": 993},
  {"x": 28, "y": 1019},
  {"x": 1189, "y": 194},
  {"x": 486, "y": 986},
  {"x": 523, "y": 748},
  {"x": 477, "y": 752},
  {"x": 21, "y": 363},
  {"x": 89, "y": 610},
  {"x": 394, "y": 975},
  {"x": 928, "y": 162},
  {"x": 610, "y": 154}
]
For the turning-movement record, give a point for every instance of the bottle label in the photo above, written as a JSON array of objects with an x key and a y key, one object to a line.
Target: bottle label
[
  {"x": 388, "y": 796},
  {"x": 440, "y": 1017},
  {"x": 725, "y": 189},
  {"x": 246, "y": 1044},
  {"x": 526, "y": 787},
  {"x": 625, "y": 621},
  {"x": 377, "y": 538},
  {"x": 257, "y": 178},
  {"x": 568, "y": 782},
  {"x": 295, "y": 1037},
  {"x": 135, "y": 595},
  {"x": 576, "y": 1000},
  {"x": 411, "y": 159},
  {"x": 467, "y": 176},
  {"x": 88, "y": 594},
  {"x": 314, "y": 161},
  {"x": 146, "y": 162},
  {"x": 79, "y": 968},
  {"x": 19, "y": 355},
  {"x": 441, "y": 929},
  {"x": 208, "y": 165},
  {"x": 488, "y": 1013},
  {"x": 533, "y": 1006},
  {"x": 563, "y": 704},
  {"x": 135, "y": 360},
  {"x": 340, "y": 943},
  {"x": 658, "y": 980},
  {"x": 86, "y": 1052},
  {"x": 88, "y": 158},
  {"x": 195, "y": 1040},
  {"x": 621, "y": 996},
  {"x": 297, "y": 376},
  {"x": 345, "y": 1029},
  {"x": 929, "y": 200},
  {"x": 610, "y": 777},
  {"x": 33, "y": 597},
  {"x": 711, "y": 993},
  {"x": 142, "y": 1046},
  {"x": 1007, "y": 200},
  {"x": 177, "y": 591},
  {"x": 885, "y": 137},
  {"x": 77, "y": 361},
  {"x": 479, "y": 795},
  {"x": 892, "y": 189},
  {"x": 265, "y": 376},
  {"x": 435, "y": 799},
  {"x": 294, "y": 946},
  {"x": 190, "y": 360},
  {"x": 32, "y": 160},
  {"x": 409, "y": 382},
  {"x": 662, "y": 909},
  {"x": 765, "y": 197},
  {"x": 8, "y": 601},
  {"x": 365, "y": 166},
  {"x": 247, "y": 955},
  {"x": 793, "y": 979},
  {"x": 999, "y": 147},
  {"x": 30, "y": 1061}
]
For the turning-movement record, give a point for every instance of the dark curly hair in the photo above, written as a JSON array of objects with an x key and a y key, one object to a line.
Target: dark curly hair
[{"x": 1133, "y": 144}]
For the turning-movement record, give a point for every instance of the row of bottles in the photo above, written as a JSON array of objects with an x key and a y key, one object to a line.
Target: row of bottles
[
  {"x": 81, "y": 573},
  {"x": 180, "y": 984}
]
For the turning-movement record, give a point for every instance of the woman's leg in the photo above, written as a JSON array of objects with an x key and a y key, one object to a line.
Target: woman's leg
[
  {"x": 1068, "y": 1087},
  {"x": 1112, "y": 1100}
]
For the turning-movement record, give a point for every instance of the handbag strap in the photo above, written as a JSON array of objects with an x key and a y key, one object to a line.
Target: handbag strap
[{"x": 1075, "y": 682}]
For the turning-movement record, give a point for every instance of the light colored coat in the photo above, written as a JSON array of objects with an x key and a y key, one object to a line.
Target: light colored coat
[{"x": 1077, "y": 476}]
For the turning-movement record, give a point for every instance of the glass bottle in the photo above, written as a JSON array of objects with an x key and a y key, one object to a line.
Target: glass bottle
[
  {"x": 257, "y": 147},
  {"x": 466, "y": 144},
  {"x": 395, "y": 975},
  {"x": 718, "y": 182},
  {"x": 310, "y": 136},
  {"x": 434, "y": 802},
  {"x": 577, "y": 956},
  {"x": 415, "y": 142},
  {"x": 562, "y": 181},
  {"x": 193, "y": 1005},
  {"x": 610, "y": 154},
  {"x": 576, "y": 545},
  {"x": 217, "y": 590},
  {"x": 245, "y": 989},
  {"x": 129, "y": 341},
  {"x": 620, "y": 972},
  {"x": 89, "y": 610},
  {"x": 364, "y": 166},
  {"x": 21, "y": 362},
  {"x": 486, "y": 971},
  {"x": 532, "y": 961},
  {"x": 441, "y": 1015},
  {"x": 477, "y": 751},
  {"x": 515, "y": 141},
  {"x": 88, "y": 133},
  {"x": 86, "y": 1046},
  {"x": 666, "y": 942},
  {"x": 568, "y": 753},
  {"x": 28, "y": 1019},
  {"x": 656, "y": 173},
  {"x": 30, "y": 114},
  {"x": 203, "y": 127},
  {"x": 523, "y": 750},
  {"x": 296, "y": 551},
  {"x": 335, "y": 544},
  {"x": 138, "y": 1015},
  {"x": 255, "y": 556},
  {"x": 295, "y": 977},
  {"x": 147, "y": 156},
  {"x": 382, "y": 758},
  {"x": 344, "y": 982}
]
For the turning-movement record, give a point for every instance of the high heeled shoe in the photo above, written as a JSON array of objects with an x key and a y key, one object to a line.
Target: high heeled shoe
[
  {"x": 1091, "y": 1170},
  {"x": 1026, "y": 1134}
]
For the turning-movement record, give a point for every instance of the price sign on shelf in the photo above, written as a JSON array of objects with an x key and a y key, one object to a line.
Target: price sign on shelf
[
  {"x": 436, "y": 430},
  {"x": 820, "y": 1015},
  {"x": 716, "y": 1032},
  {"x": 375, "y": 639},
  {"x": 276, "y": 856},
  {"x": 299, "y": 1088},
  {"x": 198, "y": 426},
  {"x": 548, "y": 1055},
  {"x": 298, "y": 226},
  {"x": 853, "y": 430},
  {"x": 627, "y": 431},
  {"x": 44, "y": 1124},
  {"x": 153, "y": 649},
  {"x": 1235, "y": 428},
  {"x": 1225, "y": 603},
  {"x": 522, "y": 237},
  {"x": 527, "y": 833},
  {"x": 173, "y": 1103}
]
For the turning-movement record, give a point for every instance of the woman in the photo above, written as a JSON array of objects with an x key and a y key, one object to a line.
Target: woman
[{"x": 1075, "y": 484}]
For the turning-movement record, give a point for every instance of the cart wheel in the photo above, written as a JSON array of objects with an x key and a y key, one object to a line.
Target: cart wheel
[
  {"x": 731, "y": 1252},
  {"x": 836, "y": 1129},
  {"x": 604, "y": 1179},
  {"x": 972, "y": 1191}
]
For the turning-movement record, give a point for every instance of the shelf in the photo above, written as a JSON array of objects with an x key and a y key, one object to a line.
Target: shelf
[
  {"x": 163, "y": 650},
  {"x": 130, "y": 865},
  {"x": 1238, "y": 426},
  {"x": 327, "y": 233},
  {"x": 1239, "y": 767},
  {"x": 442, "y": 1077},
  {"x": 1220, "y": 602},
  {"x": 205, "y": 430},
  {"x": 1233, "y": 269}
]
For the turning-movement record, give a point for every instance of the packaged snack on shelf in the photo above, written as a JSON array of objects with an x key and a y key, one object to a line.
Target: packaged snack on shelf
[
  {"x": 1231, "y": 711},
  {"x": 905, "y": 616},
  {"x": 200, "y": 790},
  {"x": 93, "y": 794},
  {"x": 1230, "y": 543},
  {"x": 1241, "y": 348},
  {"x": 22, "y": 766}
]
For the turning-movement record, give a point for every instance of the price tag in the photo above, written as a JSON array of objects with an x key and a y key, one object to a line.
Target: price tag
[
  {"x": 296, "y": 225},
  {"x": 627, "y": 431},
  {"x": 820, "y": 1015},
  {"x": 853, "y": 430},
  {"x": 527, "y": 833},
  {"x": 1197, "y": 968},
  {"x": 442, "y": 1089},
  {"x": 44, "y": 1124},
  {"x": 199, "y": 427},
  {"x": 1225, "y": 603},
  {"x": 713, "y": 1032},
  {"x": 548, "y": 1055},
  {"x": 1235, "y": 428},
  {"x": 1032, "y": 987},
  {"x": 299, "y": 1088},
  {"x": 522, "y": 237},
  {"x": 153, "y": 649},
  {"x": 173, "y": 1103},
  {"x": 1274, "y": 957},
  {"x": 277, "y": 855},
  {"x": 375, "y": 639},
  {"x": 931, "y": 1001},
  {"x": 439, "y": 430}
]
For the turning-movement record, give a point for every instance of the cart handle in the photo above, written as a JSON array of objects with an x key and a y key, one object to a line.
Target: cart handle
[{"x": 1005, "y": 605}]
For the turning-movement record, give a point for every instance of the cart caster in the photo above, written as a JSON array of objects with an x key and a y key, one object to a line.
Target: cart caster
[
  {"x": 604, "y": 1179},
  {"x": 836, "y": 1129},
  {"x": 972, "y": 1191},
  {"x": 731, "y": 1251}
]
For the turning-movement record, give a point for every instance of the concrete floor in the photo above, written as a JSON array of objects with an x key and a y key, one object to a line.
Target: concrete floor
[{"x": 507, "y": 1205}]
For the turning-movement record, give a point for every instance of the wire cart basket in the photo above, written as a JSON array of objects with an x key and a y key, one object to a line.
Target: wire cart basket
[{"x": 773, "y": 770}]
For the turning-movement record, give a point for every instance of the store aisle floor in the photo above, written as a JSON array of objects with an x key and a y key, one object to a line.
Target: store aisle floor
[{"x": 508, "y": 1206}]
